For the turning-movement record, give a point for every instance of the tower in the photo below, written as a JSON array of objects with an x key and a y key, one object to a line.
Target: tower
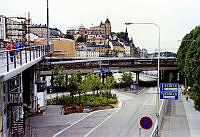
[
  {"x": 107, "y": 27},
  {"x": 126, "y": 36}
]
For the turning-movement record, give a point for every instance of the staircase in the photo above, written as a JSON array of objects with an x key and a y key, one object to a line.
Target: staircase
[{"x": 18, "y": 128}]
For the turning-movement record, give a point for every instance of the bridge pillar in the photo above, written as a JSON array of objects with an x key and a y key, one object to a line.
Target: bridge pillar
[
  {"x": 137, "y": 77},
  {"x": 169, "y": 76}
]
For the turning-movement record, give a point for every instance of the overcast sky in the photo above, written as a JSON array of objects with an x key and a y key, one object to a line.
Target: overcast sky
[{"x": 175, "y": 17}]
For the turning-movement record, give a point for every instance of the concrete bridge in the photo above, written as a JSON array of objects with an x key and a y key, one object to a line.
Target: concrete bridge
[{"x": 168, "y": 66}]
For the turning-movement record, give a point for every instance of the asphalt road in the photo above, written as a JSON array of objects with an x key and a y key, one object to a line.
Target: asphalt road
[{"x": 118, "y": 122}]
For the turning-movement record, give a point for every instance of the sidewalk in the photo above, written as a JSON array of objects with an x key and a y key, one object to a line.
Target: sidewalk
[
  {"x": 193, "y": 117},
  {"x": 51, "y": 122},
  {"x": 180, "y": 119}
]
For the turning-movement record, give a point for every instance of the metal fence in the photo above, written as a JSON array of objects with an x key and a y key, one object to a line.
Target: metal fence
[{"x": 11, "y": 59}]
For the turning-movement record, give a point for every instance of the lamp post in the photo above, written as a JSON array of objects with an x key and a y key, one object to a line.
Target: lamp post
[
  {"x": 47, "y": 22},
  {"x": 158, "y": 80}
]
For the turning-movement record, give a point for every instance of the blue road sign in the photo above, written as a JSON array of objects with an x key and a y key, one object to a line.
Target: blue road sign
[
  {"x": 169, "y": 91},
  {"x": 146, "y": 122}
]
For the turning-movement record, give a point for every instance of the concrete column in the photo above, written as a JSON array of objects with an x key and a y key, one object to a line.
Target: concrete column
[{"x": 137, "y": 78}]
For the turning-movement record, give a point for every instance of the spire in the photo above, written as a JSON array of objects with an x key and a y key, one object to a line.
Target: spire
[
  {"x": 107, "y": 21},
  {"x": 126, "y": 30}
]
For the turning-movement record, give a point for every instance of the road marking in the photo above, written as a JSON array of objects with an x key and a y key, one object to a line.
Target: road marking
[
  {"x": 120, "y": 105},
  {"x": 73, "y": 124},
  {"x": 140, "y": 91}
]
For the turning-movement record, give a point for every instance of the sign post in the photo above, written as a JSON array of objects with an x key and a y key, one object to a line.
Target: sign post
[{"x": 169, "y": 91}]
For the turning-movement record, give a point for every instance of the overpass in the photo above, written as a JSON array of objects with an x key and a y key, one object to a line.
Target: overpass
[
  {"x": 124, "y": 64},
  {"x": 168, "y": 65}
]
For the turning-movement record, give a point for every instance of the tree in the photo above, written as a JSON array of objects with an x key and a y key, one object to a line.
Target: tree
[
  {"x": 75, "y": 85},
  {"x": 121, "y": 35},
  {"x": 80, "y": 39},
  {"x": 92, "y": 82},
  {"x": 189, "y": 64},
  {"x": 59, "y": 76},
  {"x": 127, "y": 78},
  {"x": 109, "y": 84},
  {"x": 69, "y": 36}
]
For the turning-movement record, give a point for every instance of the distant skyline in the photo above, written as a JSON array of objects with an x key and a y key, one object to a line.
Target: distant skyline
[{"x": 175, "y": 17}]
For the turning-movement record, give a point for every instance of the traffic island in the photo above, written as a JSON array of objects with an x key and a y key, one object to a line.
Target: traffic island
[{"x": 89, "y": 103}]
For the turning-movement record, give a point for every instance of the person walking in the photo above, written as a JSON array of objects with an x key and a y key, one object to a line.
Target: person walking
[
  {"x": 18, "y": 45},
  {"x": 10, "y": 47}
]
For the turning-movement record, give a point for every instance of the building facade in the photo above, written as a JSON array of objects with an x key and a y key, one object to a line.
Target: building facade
[
  {"x": 41, "y": 31},
  {"x": 2, "y": 28},
  {"x": 62, "y": 47},
  {"x": 86, "y": 52}
]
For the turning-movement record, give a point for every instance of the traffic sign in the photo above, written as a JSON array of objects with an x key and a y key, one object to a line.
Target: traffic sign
[
  {"x": 169, "y": 91},
  {"x": 146, "y": 122}
]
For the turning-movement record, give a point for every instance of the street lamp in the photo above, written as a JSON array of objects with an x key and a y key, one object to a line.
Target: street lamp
[
  {"x": 47, "y": 22},
  {"x": 158, "y": 80}
]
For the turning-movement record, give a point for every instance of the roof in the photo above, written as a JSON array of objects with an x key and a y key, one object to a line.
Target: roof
[
  {"x": 116, "y": 43},
  {"x": 107, "y": 21},
  {"x": 95, "y": 45}
]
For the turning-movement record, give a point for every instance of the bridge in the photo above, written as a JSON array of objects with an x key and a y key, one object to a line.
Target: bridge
[{"x": 124, "y": 64}]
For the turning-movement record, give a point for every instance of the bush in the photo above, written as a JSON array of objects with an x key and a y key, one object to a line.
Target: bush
[{"x": 87, "y": 100}]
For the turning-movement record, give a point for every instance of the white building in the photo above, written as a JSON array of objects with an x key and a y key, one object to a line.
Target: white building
[
  {"x": 86, "y": 52},
  {"x": 127, "y": 49},
  {"x": 2, "y": 28},
  {"x": 15, "y": 29}
]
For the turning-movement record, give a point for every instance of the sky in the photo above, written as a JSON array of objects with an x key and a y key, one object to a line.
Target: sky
[{"x": 175, "y": 18}]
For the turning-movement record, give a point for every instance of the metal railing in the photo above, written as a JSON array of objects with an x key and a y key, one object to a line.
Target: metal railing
[
  {"x": 11, "y": 59},
  {"x": 161, "y": 116}
]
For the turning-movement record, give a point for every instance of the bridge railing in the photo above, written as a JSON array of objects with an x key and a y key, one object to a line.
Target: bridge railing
[{"x": 11, "y": 59}]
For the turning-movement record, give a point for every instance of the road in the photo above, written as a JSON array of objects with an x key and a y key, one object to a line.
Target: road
[{"x": 118, "y": 122}]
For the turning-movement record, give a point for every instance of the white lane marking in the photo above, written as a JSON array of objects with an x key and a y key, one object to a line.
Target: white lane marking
[
  {"x": 73, "y": 124},
  {"x": 140, "y": 91},
  {"x": 120, "y": 105}
]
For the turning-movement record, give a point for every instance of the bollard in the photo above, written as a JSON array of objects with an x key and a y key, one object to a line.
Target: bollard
[{"x": 38, "y": 109}]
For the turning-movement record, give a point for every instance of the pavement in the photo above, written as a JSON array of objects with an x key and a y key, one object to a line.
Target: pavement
[{"x": 180, "y": 119}]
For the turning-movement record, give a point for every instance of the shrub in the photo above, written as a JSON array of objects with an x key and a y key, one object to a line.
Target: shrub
[{"x": 87, "y": 100}]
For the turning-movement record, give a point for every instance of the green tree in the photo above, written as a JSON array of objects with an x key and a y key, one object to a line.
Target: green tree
[
  {"x": 109, "y": 84},
  {"x": 127, "y": 78},
  {"x": 92, "y": 82},
  {"x": 59, "y": 76},
  {"x": 75, "y": 85},
  {"x": 69, "y": 36},
  {"x": 189, "y": 62},
  {"x": 121, "y": 35},
  {"x": 80, "y": 39}
]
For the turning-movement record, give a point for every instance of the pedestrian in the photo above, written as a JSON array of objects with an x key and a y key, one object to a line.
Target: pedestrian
[
  {"x": 18, "y": 45},
  {"x": 10, "y": 47}
]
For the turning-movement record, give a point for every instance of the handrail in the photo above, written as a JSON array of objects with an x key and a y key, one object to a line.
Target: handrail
[{"x": 12, "y": 60}]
